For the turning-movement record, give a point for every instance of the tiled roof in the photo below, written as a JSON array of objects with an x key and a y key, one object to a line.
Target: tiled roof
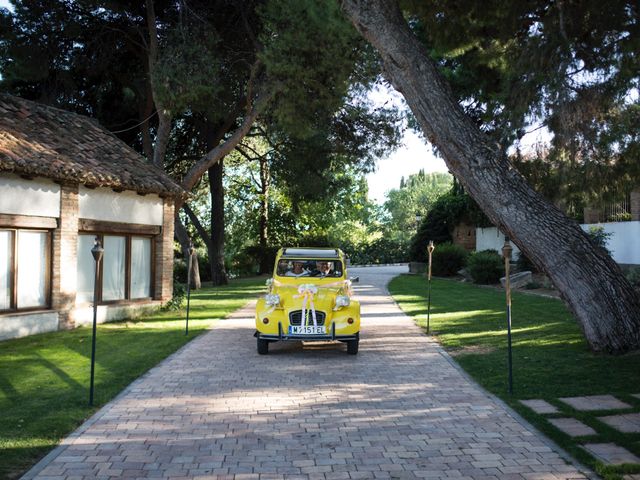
[{"x": 38, "y": 140}]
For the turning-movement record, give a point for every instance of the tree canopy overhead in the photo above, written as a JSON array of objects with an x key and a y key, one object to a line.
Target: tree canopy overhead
[{"x": 570, "y": 67}]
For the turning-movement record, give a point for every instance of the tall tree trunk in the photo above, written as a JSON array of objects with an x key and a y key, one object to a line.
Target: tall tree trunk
[
  {"x": 194, "y": 279},
  {"x": 590, "y": 282},
  {"x": 265, "y": 266},
  {"x": 164, "y": 115},
  {"x": 181, "y": 234},
  {"x": 216, "y": 252},
  {"x": 146, "y": 110}
]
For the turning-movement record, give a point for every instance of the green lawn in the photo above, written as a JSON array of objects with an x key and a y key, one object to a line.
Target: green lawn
[
  {"x": 550, "y": 357},
  {"x": 44, "y": 379}
]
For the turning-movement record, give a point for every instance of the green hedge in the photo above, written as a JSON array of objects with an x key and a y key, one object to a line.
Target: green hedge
[
  {"x": 485, "y": 267},
  {"x": 447, "y": 259}
]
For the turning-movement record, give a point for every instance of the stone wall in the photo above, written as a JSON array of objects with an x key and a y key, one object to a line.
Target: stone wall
[
  {"x": 464, "y": 234},
  {"x": 635, "y": 205}
]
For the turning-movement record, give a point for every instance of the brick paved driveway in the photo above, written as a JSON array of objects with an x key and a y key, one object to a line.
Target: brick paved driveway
[{"x": 399, "y": 409}]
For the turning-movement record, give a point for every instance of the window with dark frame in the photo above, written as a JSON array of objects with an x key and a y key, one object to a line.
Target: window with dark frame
[
  {"x": 126, "y": 273},
  {"x": 25, "y": 269}
]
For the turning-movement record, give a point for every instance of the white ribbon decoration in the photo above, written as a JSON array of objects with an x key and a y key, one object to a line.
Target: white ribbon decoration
[{"x": 307, "y": 291}]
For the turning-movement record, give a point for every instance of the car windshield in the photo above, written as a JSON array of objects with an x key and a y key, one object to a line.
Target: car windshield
[{"x": 312, "y": 267}]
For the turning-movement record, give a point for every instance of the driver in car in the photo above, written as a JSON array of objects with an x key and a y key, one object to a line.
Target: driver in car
[{"x": 323, "y": 269}]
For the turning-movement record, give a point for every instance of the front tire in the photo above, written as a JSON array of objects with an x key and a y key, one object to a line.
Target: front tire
[
  {"x": 263, "y": 346},
  {"x": 352, "y": 346}
]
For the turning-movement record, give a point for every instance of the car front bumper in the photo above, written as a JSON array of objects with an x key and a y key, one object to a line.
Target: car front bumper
[{"x": 282, "y": 335}]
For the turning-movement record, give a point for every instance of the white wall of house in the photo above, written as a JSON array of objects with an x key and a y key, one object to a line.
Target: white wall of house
[
  {"x": 493, "y": 239},
  {"x": 38, "y": 197},
  {"x": 624, "y": 243},
  {"x": 24, "y": 324},
  {"x": 110, "y": 313},
  {"x": 125, "y": 207}
]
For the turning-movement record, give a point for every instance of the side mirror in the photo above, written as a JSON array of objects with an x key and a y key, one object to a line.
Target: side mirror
[{"x": 354, "y": 279}]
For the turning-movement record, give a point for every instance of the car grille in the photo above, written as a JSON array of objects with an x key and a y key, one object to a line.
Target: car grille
[{"x": 295, "y": 317}]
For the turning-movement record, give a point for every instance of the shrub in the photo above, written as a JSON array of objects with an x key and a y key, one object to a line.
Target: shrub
[
  {"x": 633, "y": 275},
  {"x": 599, "y": 237},
  {"x": 448, "y": 259},
  {"x": 179, "y": 270},
  {"x": 380, "y": 250},
  {"x": 444, "y": 214},
  {"x": 485, "y": 267},
  {"x": 179, "y": 295}
]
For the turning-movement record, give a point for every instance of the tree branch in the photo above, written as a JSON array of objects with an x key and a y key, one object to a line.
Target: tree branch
[
  {"x": 196, "y": 223},
  {"x": 220, "y": 151}
]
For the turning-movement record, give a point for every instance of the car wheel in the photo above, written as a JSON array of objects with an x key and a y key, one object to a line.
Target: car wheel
[
  {"x": 352, "y": 346},
  {"x": 263, "y": 346}
]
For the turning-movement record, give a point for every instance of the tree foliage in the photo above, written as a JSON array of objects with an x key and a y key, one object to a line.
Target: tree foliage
[
  {"x": 571, "y": 67},
  {"x": 415, "y": 197}
]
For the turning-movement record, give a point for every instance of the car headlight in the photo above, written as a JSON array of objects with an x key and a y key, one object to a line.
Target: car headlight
[
  {"x": 272, "y": 299},
  {"x": 342, "y": 301}
]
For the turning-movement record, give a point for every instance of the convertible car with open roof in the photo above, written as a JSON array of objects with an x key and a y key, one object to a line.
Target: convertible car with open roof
[{"x": 309, "y": 298}]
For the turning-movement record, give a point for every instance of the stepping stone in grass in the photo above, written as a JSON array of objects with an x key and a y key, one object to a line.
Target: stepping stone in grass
[
  {"x": 627, "y": 423},
  {"x": 539, "y": 406},
  {"x": 610, "y": 453},
  {"x": 595, "y": 402},
  {"x": 572, "y": 427}
]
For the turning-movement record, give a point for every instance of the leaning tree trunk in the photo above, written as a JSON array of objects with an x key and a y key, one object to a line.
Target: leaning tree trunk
[
  {"x": 216, "y": 252},
  {"x": 590, "y": 282}
]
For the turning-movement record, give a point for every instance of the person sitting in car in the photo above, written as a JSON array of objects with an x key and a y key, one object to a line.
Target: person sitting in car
[
  {"x": 297, "y": 270},
  {"x": 323, "y": 269}
]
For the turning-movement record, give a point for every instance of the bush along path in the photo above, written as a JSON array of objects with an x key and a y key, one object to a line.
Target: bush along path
[
  {"x": 588, "y": 403},
  {"x": 44, "y": 379}
]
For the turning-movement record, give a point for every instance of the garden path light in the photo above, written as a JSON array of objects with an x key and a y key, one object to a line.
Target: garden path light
[
  {"x": 97, "y": 251},
  {"x": 506, "y": 254}
]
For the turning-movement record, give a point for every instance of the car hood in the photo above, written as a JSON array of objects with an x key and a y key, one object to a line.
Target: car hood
[{"x": 294, "y": 297}]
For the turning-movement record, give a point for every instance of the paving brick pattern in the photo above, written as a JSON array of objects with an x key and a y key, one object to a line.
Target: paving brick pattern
[
  {"x": 572, "y": 427},
  {"x": 399, "y": 409},
  {"x": 595, "y": 402},
  {"x": 629, "y": 423}
]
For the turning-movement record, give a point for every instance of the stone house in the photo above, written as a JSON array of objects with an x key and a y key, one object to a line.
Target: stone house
[{"x": 65, "y": 181}]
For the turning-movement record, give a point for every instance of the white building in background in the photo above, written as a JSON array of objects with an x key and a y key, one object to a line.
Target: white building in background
[{"x": 65, "y": 181}]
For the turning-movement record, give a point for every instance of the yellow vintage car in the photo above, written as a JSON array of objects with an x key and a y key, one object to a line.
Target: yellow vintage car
[{"x": 309, "y": 298}]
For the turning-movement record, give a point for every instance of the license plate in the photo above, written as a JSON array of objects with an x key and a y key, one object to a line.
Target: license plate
[{"x": 307, "y": 330}]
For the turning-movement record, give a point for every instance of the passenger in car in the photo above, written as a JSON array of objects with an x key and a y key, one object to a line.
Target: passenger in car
[{"x": 297, "y": 270}]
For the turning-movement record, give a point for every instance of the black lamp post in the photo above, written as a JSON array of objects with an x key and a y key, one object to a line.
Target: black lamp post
[
  {"x": 190, "y": 250},
  {"x": 430, "y": 250},
  {"x": 97, "y": 251},
  {"x": 506, "y": 254}
]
